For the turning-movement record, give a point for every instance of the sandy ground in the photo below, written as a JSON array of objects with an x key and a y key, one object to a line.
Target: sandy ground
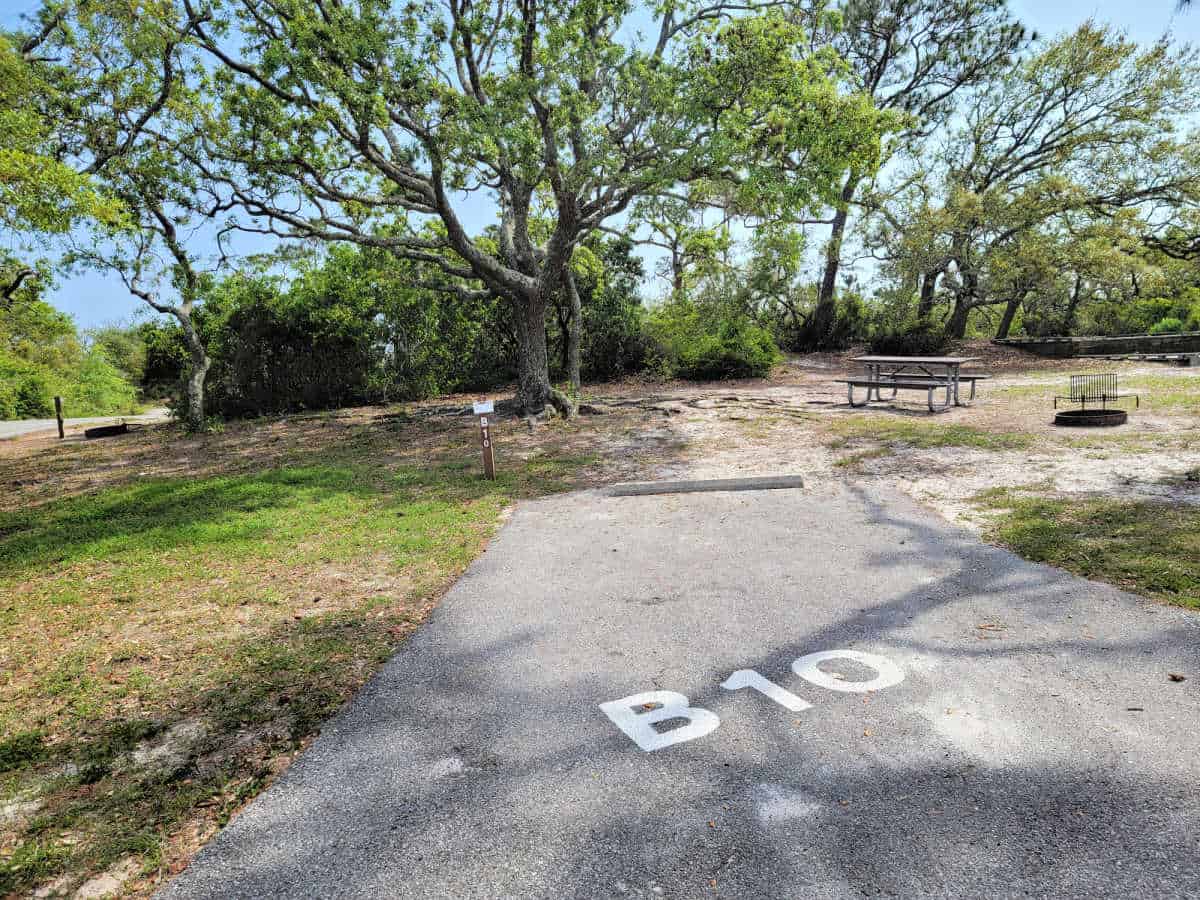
[{"x": 789, "y": 425}]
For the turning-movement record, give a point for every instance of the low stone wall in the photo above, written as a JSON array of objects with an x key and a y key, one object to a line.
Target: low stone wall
[{"x": 1150, "y": 344}]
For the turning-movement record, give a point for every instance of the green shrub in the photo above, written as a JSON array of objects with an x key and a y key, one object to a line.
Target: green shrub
[
  {"x": 614, "y": 337},
  {"x": 1153, "y": 315},
  {"x": 916, "y": 339},
  {"x": 1169, "y": 325},
  {"x": 708, "y": 345},
  {"x": 737, "y": 350},
  {"x": 166, "y": 358},
  {"x": 788, "y": 321},
  {"x": 41, "y": 356},
  {"x": 97, "y": 388},
  {"x": 26, "y": 390},
  {"x": 124, "y": 347}
]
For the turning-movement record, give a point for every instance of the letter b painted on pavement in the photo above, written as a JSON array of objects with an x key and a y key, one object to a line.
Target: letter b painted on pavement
[{"x": 637, "y": 714}]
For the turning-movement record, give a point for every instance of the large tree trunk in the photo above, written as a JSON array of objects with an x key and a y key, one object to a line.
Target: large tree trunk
[
  {"x": 928, "y": 292},
  {"x": 574, "y": 333},
  {"x": 534, "y": 390},
  {"x": 199, "y": 363},
  {"x": 1010, "y": 313},
  {"x": 822, "y": 323},
  {"x": 564, "y": 330},
  {"x": 1073, "y": 306},
  {"x": 956, "y": 326}
]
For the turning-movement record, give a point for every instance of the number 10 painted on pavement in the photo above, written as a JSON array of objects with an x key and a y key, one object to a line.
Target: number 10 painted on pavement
[{"x": 637, "y": 714}]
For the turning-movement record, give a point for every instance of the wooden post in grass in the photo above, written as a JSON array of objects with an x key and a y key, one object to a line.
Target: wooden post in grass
[
  {"x": 58, "y": 415},
  {"x": 483, "y": 410}
]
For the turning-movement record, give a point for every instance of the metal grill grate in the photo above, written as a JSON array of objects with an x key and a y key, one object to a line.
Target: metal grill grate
[
  {"x": 1085, "y": 388},
  {"x": 1094, "y": 388}
]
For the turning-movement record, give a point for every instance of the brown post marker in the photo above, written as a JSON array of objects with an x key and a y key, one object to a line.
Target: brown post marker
[
  {"x": 483, "y": 410},
  {"x": 58, "y": 415}
]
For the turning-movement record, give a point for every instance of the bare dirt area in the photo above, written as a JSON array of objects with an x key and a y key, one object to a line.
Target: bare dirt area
[{"x": 799, "y": 421}]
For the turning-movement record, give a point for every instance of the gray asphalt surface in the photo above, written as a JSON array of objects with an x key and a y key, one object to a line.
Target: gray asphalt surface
[
  {"x": 21, "y": 427},
  {"x": 1035, "y": 748}
]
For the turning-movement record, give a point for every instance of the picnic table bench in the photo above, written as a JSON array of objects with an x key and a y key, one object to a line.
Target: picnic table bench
[{"x": 914, "y": 373}]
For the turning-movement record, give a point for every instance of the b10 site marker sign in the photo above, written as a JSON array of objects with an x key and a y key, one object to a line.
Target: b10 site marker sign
[
  {"x": 483, "y": 409},
  {"x": 637, "y": 714}
]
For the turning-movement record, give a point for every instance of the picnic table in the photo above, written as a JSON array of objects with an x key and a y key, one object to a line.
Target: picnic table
[{"x": 926, "y": 373}]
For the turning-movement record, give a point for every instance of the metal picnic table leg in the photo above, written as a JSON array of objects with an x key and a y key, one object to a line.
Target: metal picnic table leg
[{"x": 879, "y": 379}]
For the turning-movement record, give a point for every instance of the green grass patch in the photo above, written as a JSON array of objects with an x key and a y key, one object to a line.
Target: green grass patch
[
  {"x": 855, "y": 460},
  {"x": 216, "y": 621},
  {"x": 1148, "y": 548},
  {"x": 21, "y": 750},
  {"x": 923, "y": 434},
  {"x": 1176, "y": 392}
]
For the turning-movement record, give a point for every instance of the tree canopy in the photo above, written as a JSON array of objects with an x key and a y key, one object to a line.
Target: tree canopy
[
  {"x": 495, "y": 163},
  {"x": 376, "y": 125}
]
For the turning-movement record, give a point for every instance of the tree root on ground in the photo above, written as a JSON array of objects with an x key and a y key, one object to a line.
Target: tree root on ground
[{"x": 667, "y": 404}]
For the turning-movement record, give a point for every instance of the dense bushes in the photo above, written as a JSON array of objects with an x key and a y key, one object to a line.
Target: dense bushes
[
  {"x": 704, "y": 343},
  {"x": 25, "y": 389},
  {"x": 352, "y": 328},
  {"x": 273, "y": 353},
  {"x": 91, "y": 387},
  {"x": 921, "y": 338},
  {"x": 1152, "y": 315},
  {"x": 41, "y": 356},
  {"x": 1169, "y": 325},
  {"x": 614, "y": 339}
]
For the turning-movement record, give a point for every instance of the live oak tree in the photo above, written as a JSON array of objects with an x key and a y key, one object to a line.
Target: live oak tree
[
  {"x": 384, "y": 124},
  {"x": 40, "y": 193},
  {"x": 691, "y": 248},
  {"x": 914, "y": 59},
  {"x": 1087, "y": 127},
  {"x": 1082, "y": 259},
  {"x": 119, "y": 93}
]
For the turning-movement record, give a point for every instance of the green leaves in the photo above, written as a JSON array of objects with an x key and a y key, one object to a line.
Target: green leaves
[{"x": 39, "y": 192}]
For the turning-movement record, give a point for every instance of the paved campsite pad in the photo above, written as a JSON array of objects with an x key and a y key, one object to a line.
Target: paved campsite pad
[{"x": 1036, "y": 746}]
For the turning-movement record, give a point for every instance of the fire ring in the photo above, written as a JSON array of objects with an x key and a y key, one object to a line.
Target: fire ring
[{"x": 1091, "y": 418}]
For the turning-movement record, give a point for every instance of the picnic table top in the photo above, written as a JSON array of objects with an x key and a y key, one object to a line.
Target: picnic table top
[{"x": 917, "y": 360}]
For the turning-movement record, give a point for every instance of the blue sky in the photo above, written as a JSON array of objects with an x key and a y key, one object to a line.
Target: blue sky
[{"x": 94, "y": 299}]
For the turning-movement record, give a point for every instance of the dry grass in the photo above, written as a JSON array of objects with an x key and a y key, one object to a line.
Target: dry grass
[{"x": 180, "y": 614}]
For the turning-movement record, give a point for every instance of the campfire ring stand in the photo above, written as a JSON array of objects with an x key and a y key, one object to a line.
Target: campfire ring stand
[{"x": 1091, "y": 418}]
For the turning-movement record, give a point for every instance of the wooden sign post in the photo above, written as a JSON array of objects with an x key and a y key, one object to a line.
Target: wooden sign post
[
  {"x": 58, "y": 415},
  {"x": 483, "y": 410}
]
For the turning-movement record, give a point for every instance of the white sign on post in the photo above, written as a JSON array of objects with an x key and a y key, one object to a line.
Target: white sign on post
[{"x": 483, "y": 409}]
